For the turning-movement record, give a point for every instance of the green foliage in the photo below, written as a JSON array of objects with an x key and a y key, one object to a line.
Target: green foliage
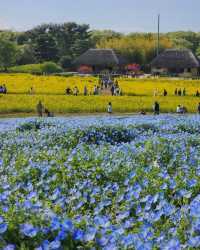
[
  {"x": 47, "y": 68},
  {"x": 8, "y": 53},
  {"x": 65, "y": 62},
  {"x": 26, "y": 55},
  {"x": 30, "y": 68},
  {"x": 64, "y": 42},
  {"x": 46, "y": 48},
  {"x": 70, "y": 39},
  {"x": 50, "y": 68},
  {"x": 136, "y": 48},
  {"x": 99, "y": 35}
]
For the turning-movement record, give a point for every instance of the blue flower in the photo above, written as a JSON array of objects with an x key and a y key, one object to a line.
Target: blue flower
[
  {"x": 9, "y": 247},
  {"x": 31, "y": 195},
  {"x": 191, "y": 183},
  {"x": 102, "y": 241},
  {"x": 194, "y": 241},
  {"x": 55, "y": 223},
  {"x": 78, "y": 235},
  {"x": 122, "y": 215},
  {"x": 90, "y": 234},
  {"x": 3, "y": 228},
  {"x": 28, "y": 230},
  {"x": 173, "y": 244},
  {"x": 54, "y": 245},
  {"x": 195, "y": 208},
  {"x": 67, "y": 225},
  {"x": 61, "y": 235}
]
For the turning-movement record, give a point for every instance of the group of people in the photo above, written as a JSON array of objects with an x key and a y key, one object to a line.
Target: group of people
[
  {"x": 177, "y": 92},
  {"x": 97, "y": 90},
  {"x": 115, "y": 89},
  {"x": 41, "y": 110},
  {"x": 3, "y": 89},
  {"x": 181, "y": 109},
  {"x": 74, "y": 91},
  {"x": 105, "y": 82},
  {"x": 180, "y": 92},
  {"x": 108, "y": 83}
]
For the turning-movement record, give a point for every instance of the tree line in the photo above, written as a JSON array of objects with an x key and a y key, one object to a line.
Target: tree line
[{"x": 62, "y": 43}]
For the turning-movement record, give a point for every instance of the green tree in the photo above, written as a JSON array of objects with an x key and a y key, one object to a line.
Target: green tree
[
  {"x": 65, "y": 62},
  {"x": 8, "y": 53},
  {"x": 26, "y": 55},
  {"x": 69, "y": 39},
  {"x": 46, "y": 48}
]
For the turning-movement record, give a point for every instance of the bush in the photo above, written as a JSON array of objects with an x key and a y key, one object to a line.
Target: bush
[
  {"x": 50, "y": 68},
  {"x": 47, "y": 68},
  {"x": 29, "y": 68}
]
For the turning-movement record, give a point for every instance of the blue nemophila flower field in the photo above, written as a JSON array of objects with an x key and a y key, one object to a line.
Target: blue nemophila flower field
[{"x": 100, "y": 183}]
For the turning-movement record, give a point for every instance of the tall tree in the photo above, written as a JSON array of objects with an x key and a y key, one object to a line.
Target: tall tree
[
  {"x": 46, "y": 48},
  {"x": 8, "y": 53}
]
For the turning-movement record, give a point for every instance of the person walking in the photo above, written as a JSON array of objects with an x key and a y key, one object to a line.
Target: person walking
[
  {"x": 179, "y": 92},
  {"x": 156, "y": 108},
  {"x": 112, "y": 90},
  {"x": 85, "y": 91},
  {"x": 95, "y": 90},
  {"x": 76, "y": 91},
  {"x": 39, "y": 109},
  {"x": 31, "y": 92},
  {"x": 4, "y": 89},
  {"x": 176, "y": 92},
  {"x": 178, "y": 109},
  {"x": 198, "y": 108},
  {"x": 109, "y": 108},
  {"x": 184, "y": 92},
  {"x": 165, "y": 92}
]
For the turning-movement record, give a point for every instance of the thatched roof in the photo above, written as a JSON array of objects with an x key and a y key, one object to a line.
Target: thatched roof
[
  {"x": 100, "y": 57},
  {"x": 176, "y": 58}
]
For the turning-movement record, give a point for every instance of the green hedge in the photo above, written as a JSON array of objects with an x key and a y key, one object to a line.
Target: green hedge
[{"x": 47, "y": 68}]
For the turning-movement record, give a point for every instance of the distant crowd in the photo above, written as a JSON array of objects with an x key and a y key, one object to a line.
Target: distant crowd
[{"x": 105, "y": 84}]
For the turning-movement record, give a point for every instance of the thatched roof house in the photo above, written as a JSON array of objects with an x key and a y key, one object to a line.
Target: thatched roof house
[
  {"x": 100, "y": 59},
  {"x": 176, "y": 61}
]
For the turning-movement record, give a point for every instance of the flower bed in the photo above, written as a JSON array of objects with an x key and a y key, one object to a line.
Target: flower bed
[{"x": 100, "y": 183}]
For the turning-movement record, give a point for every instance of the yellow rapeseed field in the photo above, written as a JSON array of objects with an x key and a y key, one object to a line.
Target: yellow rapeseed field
[{"x": 137, "y": 94}]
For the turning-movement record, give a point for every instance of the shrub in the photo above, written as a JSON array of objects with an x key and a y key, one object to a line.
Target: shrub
[
  {"x": 29, "y": 68},
  {"x": 50, "y": 68},
  {"x": 47, "y": 68}
]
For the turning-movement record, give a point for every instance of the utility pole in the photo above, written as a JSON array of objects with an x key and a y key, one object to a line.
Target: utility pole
[{"x": 158, "y": 37}]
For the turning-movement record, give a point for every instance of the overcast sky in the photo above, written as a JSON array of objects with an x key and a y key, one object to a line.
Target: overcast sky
[{"x": 120, "y": 15}]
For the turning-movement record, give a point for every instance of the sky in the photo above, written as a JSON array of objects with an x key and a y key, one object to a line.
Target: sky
[{"x": 119, "y": 15}]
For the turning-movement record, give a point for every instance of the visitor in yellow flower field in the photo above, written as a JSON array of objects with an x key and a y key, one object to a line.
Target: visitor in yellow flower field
[
  {"x": 85, "y": 91},
  {"x": 109, "y": 108},
  {"x": 75, "y": 91},
  {"x": 39, "y": 108},
  {"x": 156, "y": 108},
  {"x": 31, "y": 92}
]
